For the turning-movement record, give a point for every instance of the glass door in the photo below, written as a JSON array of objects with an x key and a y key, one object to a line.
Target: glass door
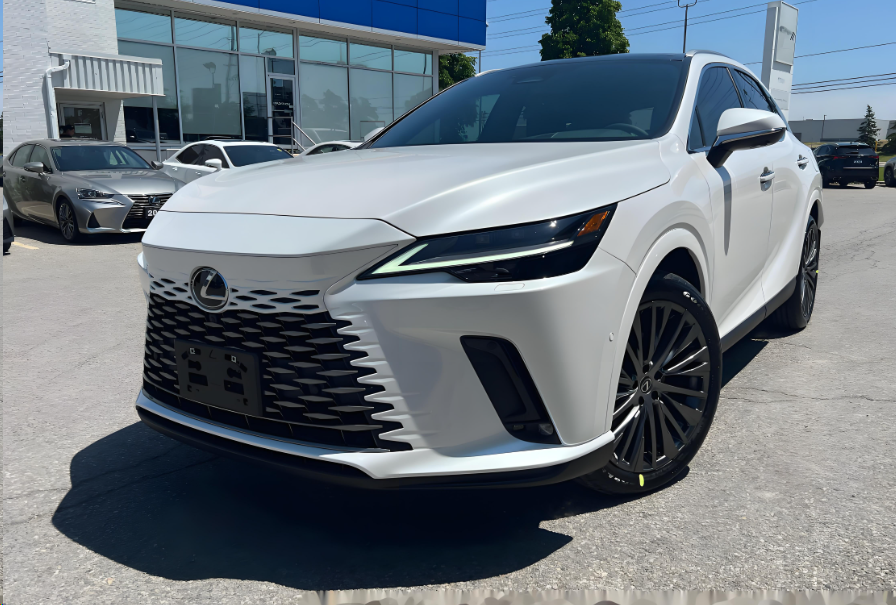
[{"x": 282, "y": 106}]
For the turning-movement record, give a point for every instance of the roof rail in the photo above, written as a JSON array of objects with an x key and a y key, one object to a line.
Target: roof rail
[{"x": 691, "y": 53}]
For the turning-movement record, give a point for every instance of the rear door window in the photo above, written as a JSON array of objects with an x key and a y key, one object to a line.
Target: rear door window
[
  {"x": 21, "y": 156},
  {"x": 716, "y": 95},
  {"x": 189, "y": 155}
]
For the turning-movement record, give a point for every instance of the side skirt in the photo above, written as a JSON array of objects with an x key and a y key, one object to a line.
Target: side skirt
[{"x": 744, "y": 328}]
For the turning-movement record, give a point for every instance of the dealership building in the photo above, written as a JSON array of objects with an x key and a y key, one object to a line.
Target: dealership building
[{"x": 161, "y": 73}]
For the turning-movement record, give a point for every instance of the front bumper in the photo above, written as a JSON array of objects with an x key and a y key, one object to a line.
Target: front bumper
[
  {"x": 125, "y": 217},
  {"x": 409, "y": 330},
  {"x": 419, "y": 468}
]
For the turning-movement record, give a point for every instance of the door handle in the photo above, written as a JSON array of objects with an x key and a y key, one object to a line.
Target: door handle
[
  {"x": 802, "y": 162},
  {"x": 766, "y": 176}
]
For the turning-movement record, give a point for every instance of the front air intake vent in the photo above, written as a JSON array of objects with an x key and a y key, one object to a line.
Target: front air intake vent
[{"x": 510, "y": 388}]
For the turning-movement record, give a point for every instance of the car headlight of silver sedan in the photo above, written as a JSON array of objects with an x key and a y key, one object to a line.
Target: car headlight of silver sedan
[
  {"x": 522, "y": 252},
  {"x": 96, "y": 195}
]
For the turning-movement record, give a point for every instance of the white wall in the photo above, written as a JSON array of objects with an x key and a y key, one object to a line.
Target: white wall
[{"x": 30, "y": 29}]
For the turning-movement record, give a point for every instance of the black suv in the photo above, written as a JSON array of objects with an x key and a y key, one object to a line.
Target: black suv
[{"x": 846, "y": 163}]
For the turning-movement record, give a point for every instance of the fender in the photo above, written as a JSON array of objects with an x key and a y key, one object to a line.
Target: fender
[{"x": 678, "y": 236}]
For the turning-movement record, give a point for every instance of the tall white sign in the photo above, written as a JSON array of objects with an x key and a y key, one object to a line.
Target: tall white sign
[{"x": 777, "y": 55}]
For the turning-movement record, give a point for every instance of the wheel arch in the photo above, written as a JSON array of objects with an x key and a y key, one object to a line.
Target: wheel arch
[{"x": 673, "y": 244}]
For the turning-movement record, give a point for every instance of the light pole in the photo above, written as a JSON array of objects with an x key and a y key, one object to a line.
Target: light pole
[
  {"x": 822, "y": 127},
  {"x": 685, "y": 6}
]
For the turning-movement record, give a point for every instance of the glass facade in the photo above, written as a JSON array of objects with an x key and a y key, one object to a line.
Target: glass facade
[{"x": 242, "y": 80}]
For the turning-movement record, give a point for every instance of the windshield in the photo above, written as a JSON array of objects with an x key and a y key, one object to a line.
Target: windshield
[
  {"x": 243, "y": 155},
  {"x": 572, "y": 100},
  {"x": 97, "y": 157}
]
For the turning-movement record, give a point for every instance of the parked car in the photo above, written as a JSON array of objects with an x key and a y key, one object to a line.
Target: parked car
[
  {"x": 206, "y": 157},
  {"x": 845, "y": 163},
  {"x": 330, "y": 147},
  {"x": 85, "y": 187},
  {"x": 9, "y": 233},
  {"x": 890, "y": 173},
  {"x": 527, "y": 295}
]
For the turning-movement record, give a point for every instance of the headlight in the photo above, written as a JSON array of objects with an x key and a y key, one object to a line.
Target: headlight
[
  {"x": 96, "y": 195},
  {"x": 532, "y": 251}
]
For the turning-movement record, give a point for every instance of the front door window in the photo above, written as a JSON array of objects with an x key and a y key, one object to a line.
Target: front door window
[
  {"x": 282, "y": 111},
  {"x": 82, "y": 122}
]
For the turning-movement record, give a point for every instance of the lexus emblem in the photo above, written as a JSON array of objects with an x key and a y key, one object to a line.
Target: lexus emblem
[{"x": 209, "y": 289}]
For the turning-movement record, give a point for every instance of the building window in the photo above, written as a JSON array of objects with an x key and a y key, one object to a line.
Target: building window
[
  {"x": 323, "y": 50},
  {"x": 255, "y": 98},
  {"x": 143, "y": 26},
  {"x": 410, "y": 91},
  {"x": 263, "y": 42},
  {"x": 139, "y": 125},
  {"x": 371, "y": 94},
  {"x": 205, "y": 34},
  {"x": 414, "y": 63},
  {"x": 324, "y": 102},
  {"x": 373, "y": 57},
  {"x": 209, "y": 85}
]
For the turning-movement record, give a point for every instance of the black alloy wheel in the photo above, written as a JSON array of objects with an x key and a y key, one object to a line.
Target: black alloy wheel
[
  {"x": 667, "y": 390},
  {"x": 796, "y": 312},
  {"x": 68, "y": 222}
]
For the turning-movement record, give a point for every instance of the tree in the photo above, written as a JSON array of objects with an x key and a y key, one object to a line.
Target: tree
[
  {"x": 455, "y": 67},
  {"x": 889, "y": 147},
  {"x": 868, "y": 128},
  {"x": 583, "y": 28}
]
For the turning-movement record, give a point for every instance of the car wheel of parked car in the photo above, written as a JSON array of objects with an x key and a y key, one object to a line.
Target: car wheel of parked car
[
  {"x": 889, "y": 179},
  {"x": 68, "y": 222},
  {"x": 797, "y": 311},
  {"x": 667, "y": 391},
  {"x": 870, "y": 184},
  {"x": 7, "y": 233}
]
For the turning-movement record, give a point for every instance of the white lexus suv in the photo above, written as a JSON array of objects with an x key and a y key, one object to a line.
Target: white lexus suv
[{"x": 528, "y": 279}]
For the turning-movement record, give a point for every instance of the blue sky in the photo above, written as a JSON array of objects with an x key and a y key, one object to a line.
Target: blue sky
[{"x": 823, "y": 25}]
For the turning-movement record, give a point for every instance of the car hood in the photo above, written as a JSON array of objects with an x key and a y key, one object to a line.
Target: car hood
[
  {"x": 126, "y": 181},
  {"x": 437, "y": 189}
]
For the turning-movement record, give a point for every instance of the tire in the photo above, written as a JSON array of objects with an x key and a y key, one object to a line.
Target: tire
[
  {"x": 7, "y": 233},
  {"x": 659, "y": 427},
  {"x": 796, "y": 312},
  {"x": 16, "y": 220},
  {"x": 67, "y": 221},
  {"x": 889, "y": 179},
  {"x": 870, "y": 184}
]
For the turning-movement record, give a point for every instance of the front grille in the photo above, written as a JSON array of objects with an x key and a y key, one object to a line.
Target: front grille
[
  {"x": 310, "y": 391},
  {"x": 135, "y": 218}
]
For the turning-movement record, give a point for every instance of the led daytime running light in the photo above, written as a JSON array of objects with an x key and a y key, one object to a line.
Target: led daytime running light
[{"x": 395, "y": 265}]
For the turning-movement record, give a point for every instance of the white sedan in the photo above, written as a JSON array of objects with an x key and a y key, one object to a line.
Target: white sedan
[
  {"x": 330, "y": 147},
  {"x": 529, "y": 278},
  {"x": 207, "y": 157}
]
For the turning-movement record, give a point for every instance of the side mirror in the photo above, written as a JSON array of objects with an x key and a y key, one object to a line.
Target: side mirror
[
  {"x": 216, "y": 164},
  {"x": 744, "y": 129},
  {"x": 37, "y": 167},
  {"x": 157, "y": 165}
]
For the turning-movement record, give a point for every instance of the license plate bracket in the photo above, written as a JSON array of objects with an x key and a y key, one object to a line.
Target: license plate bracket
[
  {"x": 150, "y": 212},
  {"x": 220, "y": 377}
]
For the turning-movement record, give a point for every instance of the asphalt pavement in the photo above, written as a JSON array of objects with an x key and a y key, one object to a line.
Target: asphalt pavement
[{"x": 794, "y": 489}]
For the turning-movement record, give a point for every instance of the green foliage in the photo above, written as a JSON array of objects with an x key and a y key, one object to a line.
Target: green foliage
[
  {"x": 455, "y": 67},
  {"x": 868, "y": 128},
  {"x": 889, "y": 147},
  {"x": 583, "y": 28}
]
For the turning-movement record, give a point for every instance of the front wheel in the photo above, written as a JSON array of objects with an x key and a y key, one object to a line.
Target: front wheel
[
  {"x": 796, "y": 312},
  {"x": 870, "y": 184},
  {"x": 68, "y": 222},
  {"x": 667, "y": 390}
]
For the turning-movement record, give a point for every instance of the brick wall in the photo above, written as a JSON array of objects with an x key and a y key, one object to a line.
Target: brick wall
[{"x": 29, "y": 28}]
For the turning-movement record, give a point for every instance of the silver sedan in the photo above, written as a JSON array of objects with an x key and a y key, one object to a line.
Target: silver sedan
[{"x": 85, "y": 187}]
